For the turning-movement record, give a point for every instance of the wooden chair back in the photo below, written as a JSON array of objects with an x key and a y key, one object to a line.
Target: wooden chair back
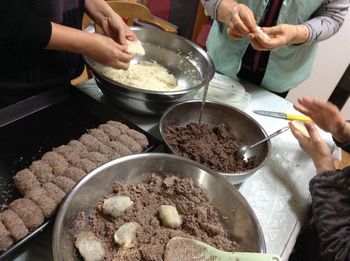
[{"x": 130, "y": 9}]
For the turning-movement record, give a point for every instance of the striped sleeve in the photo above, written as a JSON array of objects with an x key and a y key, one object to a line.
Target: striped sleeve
[
  {"x": 327, "y": 20},
  {"x": 211, "y": 7}
]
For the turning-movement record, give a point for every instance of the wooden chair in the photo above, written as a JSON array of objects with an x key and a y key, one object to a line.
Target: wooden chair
[{"x": 131, "y": 10}]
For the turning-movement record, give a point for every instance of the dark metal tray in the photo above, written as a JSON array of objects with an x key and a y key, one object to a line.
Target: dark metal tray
[{"x": 34, "y": 126}]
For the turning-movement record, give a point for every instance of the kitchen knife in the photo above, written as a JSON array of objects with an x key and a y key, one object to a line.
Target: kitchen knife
[{"x": 283, "y": 115}]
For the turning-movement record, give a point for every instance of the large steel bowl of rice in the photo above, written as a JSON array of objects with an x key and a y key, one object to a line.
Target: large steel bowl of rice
[{"x": 185, "y": 61}]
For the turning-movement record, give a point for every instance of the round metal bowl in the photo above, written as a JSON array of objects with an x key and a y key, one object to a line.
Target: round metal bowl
[
  {"x": 243, "y": 127},
  {"x": 243, "y": 226},
  {"x": 189, "y": 63}
]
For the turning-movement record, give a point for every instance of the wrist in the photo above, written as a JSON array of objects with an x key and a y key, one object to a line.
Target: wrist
[
  {"x": 343, "y": 134},
  {"x": 325, "y": 165},
  {"x": 301, "y": 34}
]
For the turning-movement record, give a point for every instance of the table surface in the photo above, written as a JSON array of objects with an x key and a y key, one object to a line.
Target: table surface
[{"x": 278, "y": 193}]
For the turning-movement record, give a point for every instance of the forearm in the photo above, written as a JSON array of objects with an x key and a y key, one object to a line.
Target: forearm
[
  {"x": 98, "y": 10},
  {"x": 327, "y": 20},
  {"x": 331, "y": 212},
  {"x": 68, "y": 39}
]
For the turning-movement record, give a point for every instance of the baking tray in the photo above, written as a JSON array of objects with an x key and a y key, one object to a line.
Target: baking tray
[{"x": 34, "y": 126}]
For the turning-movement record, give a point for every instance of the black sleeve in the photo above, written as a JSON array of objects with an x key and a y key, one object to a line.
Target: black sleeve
[
  {"x": 22, "y": 28},
  {"x": 330, "y": 193},
  {"x": 344, "y": 145}
]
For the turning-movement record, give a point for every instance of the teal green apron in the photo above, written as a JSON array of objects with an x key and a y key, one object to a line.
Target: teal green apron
[{"x": 287, "y": 66}]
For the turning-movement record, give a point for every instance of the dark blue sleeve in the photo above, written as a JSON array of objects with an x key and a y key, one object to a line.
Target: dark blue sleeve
[{"x": 21, "y": 28}]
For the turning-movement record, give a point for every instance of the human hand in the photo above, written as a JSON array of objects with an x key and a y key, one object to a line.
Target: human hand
[
  {"x": 326, "y": 115},
  {"x": 240, "y": 21},
  {"x": 115, "y": 28},
  {"x": 108, "y": 52},
  {"x": 280, "y": 35},
  {"x": 315, "y": 147}
]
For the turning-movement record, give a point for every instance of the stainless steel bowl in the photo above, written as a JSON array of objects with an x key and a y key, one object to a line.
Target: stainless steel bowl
[
  {"x": 243, "y": 127},
  {"x": 188, "y": 62},
  {"x": 243, "y": 225}
]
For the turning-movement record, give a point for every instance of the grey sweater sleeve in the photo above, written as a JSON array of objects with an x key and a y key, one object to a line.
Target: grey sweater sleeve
[
  {"x": 327, "y": 20},
  {"x": 330, "y": 193},
  {"x": 211, "y": 7},
  {"x": 323, "y": 24}
]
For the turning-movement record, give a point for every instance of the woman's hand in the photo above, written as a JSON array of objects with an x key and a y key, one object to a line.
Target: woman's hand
[
  {"x": 238, "y": 18},
  {"x": 115, "y": 28},
  {"x": 108, "y": 52},
  {"x": 326, "y": 115},
  {"x": 315, "y": 147},
  {"x": 280, "y": 35},
  {"x": 241, "y": 22}
]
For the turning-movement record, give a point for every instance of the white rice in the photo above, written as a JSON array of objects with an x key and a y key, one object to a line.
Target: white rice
[{"x": 143, "y": 75}]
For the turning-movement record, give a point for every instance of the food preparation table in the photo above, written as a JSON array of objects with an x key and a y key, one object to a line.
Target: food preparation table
[{"x": 278, "y": 193}]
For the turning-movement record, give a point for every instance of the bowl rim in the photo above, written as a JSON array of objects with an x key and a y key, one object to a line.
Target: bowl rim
[
  {"x": 63, "y": 207},
  {"x": 227, "y": 174},
  {"x": 179, "y": 92}
]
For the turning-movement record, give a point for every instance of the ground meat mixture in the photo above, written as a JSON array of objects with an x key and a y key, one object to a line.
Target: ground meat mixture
[
  {"x": 210, "y": 146},
  {"x": 199, "y": 219}
]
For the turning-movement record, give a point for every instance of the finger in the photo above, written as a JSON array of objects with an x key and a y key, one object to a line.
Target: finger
[
  {"x": 125, "y": 57},
  {"x": 239, "y": 25},
  {"x": 256, "y": 45},
  {"x": 249, "y": 21},
  {"x": 296, "y": 132},
  {"x": 313, "y": 133},
  {"x": 309, "y": 102},
  {"x": 274, "y": 30},
  {"x": 123, "y": 65},
  {"x": 301, "y": 109},
  {"x": 233, "y": 35}
]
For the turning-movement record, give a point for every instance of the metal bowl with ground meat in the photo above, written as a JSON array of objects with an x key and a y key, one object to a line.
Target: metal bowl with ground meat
[
  {"x": 213, "y": 142},
  {"x": 234, "y": 213}
]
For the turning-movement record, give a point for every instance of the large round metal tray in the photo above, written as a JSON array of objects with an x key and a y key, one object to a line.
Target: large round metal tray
[{"x": 242, "y": 226}]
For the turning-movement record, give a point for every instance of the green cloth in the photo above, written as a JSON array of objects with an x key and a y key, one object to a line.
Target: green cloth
[{"x": 287, "y": 66}]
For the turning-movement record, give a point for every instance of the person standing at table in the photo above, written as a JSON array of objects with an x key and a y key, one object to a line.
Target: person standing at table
[
  {"x": 281, "y": 60},
  {"x": 41, "y": 44},
  {"x": 327, "y": 236}
]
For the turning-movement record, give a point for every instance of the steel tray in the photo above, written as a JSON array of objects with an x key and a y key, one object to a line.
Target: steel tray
[{"x": 34, "y": 126}]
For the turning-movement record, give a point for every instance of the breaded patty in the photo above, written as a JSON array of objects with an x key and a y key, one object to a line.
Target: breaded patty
[
  {"x": 42, "y": 171},
  {"x": 40, "y": 197},
  {"x": 64, "y": 183},
  {"x": 54, "y": 192},
  {"x": 5, "y": 237},
  {"x": 25, "y": 180},
  {"x": 28, "y": 211},
  {"x": 14, "y": 224}
]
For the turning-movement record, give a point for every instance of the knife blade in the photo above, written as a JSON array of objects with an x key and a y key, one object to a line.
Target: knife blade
[{"x": 282, "y": 115}]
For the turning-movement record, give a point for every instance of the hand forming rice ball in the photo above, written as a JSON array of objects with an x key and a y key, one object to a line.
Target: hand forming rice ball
[{"x": 260, "y": 32}]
